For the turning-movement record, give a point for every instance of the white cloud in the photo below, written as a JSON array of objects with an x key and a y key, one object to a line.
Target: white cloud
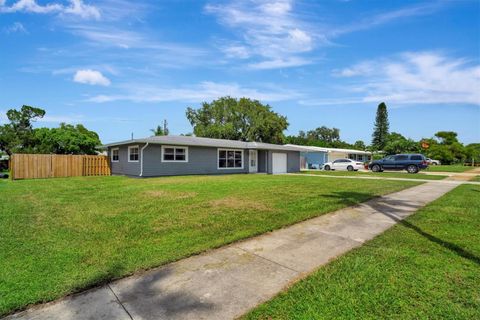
[
  {"x": 374, "y": 20},
  {"x": 279, "y": 63},
  {"x": 205, "y": 91},
  {"x": 269, "y": 31},
  {"x": 85, "y": 11},
  {"x": 16, "y": 27},
  {"x": 272, "y": 34},
  {"x": 75, "y": 8},
  {"x": 92, "y": 77},
  {"x": 411, "y": 78}
]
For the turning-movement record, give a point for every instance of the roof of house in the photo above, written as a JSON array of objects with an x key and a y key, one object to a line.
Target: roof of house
[
  {"x": 323, "y": 149},
  {"x": 207, "y": 142}
]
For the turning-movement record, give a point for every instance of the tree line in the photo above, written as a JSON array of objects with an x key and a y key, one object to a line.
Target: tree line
[
  {"x": 19, "y": 136},
  {"x": 235, "y": 119}
]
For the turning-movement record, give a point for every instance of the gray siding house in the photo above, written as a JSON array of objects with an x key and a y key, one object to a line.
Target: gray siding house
[{"x": 184, "y": 155}]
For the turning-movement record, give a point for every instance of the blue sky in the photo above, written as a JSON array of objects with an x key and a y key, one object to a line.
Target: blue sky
[{"x": 120, "y": 66}]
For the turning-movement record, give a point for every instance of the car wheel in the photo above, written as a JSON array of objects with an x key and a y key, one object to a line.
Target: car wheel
[
  {"x": 350, "y": 168},
  {"x": 412, "y": 168},
  {"x": 376, "y": 168},
  {"x": 326, "y": 168},
  {"x": 434, "y": 164}
]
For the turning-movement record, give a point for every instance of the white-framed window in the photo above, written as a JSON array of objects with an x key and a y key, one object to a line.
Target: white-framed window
[
  {"x": 133, "y": 152},
  {"x": 115, "y": 155},
  {"x": 230, "y": 159},
  {"x": 174, "y": 154}
]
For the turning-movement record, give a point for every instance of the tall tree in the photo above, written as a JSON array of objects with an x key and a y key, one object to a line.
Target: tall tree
[
  {"x": 66, "y": 139},
  {"x": 161, "y": 131},
  {"x": 380, "y": 131},
  {"x": 397, "y": 143},
  {"x": 18, "y": 134},
  {"x": 324, "y": 134},
  {"x": 359, "y": 145},
  {"x": 237, "y": 119}
]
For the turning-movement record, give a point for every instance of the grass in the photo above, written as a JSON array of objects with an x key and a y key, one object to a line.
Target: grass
[
  {"x": 59, "y": 236},
  {"x": 426, "y": 267},
  {"x": 476, "y": 178},
  {"x": 449, "y": 168},
  {"x": 376, "y": 174}
]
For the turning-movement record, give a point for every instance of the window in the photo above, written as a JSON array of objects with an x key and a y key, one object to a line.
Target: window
[
  {"x": 115, "y": 156},
  {"x": 230, "y": 159},
  {"x": 416, "y": 157},
  {"x": 401, "y": 158},
  {"x": 174, "y": 154},
  {"x": 133, "y": 154}
]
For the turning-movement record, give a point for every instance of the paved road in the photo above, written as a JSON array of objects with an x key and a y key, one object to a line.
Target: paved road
[{"x": 229, "y": 281}]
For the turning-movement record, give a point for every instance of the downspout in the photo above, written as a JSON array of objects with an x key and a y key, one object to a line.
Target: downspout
[{"x": 141, "y": 161}]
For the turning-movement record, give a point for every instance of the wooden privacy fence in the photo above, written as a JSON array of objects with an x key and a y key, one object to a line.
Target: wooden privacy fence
[{"x": 34, "y": 166}]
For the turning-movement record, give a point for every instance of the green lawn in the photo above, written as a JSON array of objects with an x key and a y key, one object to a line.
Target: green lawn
[
  {"x": 475, "y": 178},
  {"x": 449, "y": 168},
  {"x": 427, "y": 267},
  {"x": 59, "y": 236},
  {"x": 376, "y": 174}
]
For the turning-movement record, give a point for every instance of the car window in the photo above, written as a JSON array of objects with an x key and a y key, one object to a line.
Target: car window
[
  {"x": 417, "y": 157},
  {"x": 388, "y": 158},
  {"x": 401, "y": 158}
]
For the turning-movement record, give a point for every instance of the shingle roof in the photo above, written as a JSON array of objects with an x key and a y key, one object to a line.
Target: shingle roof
[{"x": 206, "y": 142}]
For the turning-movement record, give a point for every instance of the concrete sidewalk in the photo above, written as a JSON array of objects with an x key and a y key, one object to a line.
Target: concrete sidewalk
[
  {"x": 229, "y": 281},
  {"x": 452, "y": 179}
]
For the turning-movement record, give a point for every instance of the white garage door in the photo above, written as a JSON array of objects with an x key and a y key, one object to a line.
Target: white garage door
[{"x": 279, "y": 163}]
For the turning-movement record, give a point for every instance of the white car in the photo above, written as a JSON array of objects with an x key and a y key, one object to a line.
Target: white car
[
  {"x": 343, "y": 164},
  {"x": 433, "y": 162}
]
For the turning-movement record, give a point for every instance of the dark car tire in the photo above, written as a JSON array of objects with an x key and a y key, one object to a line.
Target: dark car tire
[
  {"x": 326, "y": 168},
  {"x": 350, "y": 168},
  {"x": 433, "y": 164},
  {"x": 412, "y": 168},
  {"x": 376, "y": 168}
]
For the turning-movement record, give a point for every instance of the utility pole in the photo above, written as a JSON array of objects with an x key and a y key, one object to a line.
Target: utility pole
[
  {"x": 132, "y": 136},
  {"x": 165, "y": 130}
]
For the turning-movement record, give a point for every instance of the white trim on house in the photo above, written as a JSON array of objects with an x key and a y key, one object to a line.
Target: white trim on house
[
  {"x": 138, "y": 153},
  {"x": 118, "y": 154},
  {"x": 230, "y": 168},
  {"x": 174, "y": 153}
]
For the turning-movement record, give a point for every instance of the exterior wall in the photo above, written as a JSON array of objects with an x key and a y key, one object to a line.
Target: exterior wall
[
  {"x": 315, "y": 159},
  {"x": 293, "y": 161},
  {"x": 201, "y": 160},
  {"x": 342, "y": 155},
  {"x": 336, "y": 155},
  {"x": 123, "y": 166}
]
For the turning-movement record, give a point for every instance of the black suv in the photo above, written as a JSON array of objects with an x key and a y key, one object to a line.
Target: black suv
[{"x": 410, "y": 162}]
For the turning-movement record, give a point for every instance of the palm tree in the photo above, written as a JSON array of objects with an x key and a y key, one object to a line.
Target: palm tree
[{"x": 158, "y": 131}]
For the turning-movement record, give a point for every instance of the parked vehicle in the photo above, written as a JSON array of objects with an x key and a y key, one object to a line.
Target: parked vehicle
[
  {"x": 410, "y": 162},
  {"x": 3, "y": 175},
  {"x": 433, "y": 162},
  {"x": 343, "y": 164}
]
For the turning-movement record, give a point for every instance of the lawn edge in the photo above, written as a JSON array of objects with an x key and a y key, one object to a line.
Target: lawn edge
[
  {"x": 302, "y": 276},
  {"x": 141, "y": 271}
]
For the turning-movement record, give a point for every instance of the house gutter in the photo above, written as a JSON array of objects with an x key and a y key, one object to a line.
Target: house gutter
[{"x": 141, "y": 162}]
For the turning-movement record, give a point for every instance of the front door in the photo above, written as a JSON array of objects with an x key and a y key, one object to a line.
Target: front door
[{"x": 253, "y": 161}]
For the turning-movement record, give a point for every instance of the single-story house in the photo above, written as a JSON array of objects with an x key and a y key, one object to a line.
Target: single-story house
[
  {"x": 314, "y": 157},
  {"x": 184, "y": 155}
]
